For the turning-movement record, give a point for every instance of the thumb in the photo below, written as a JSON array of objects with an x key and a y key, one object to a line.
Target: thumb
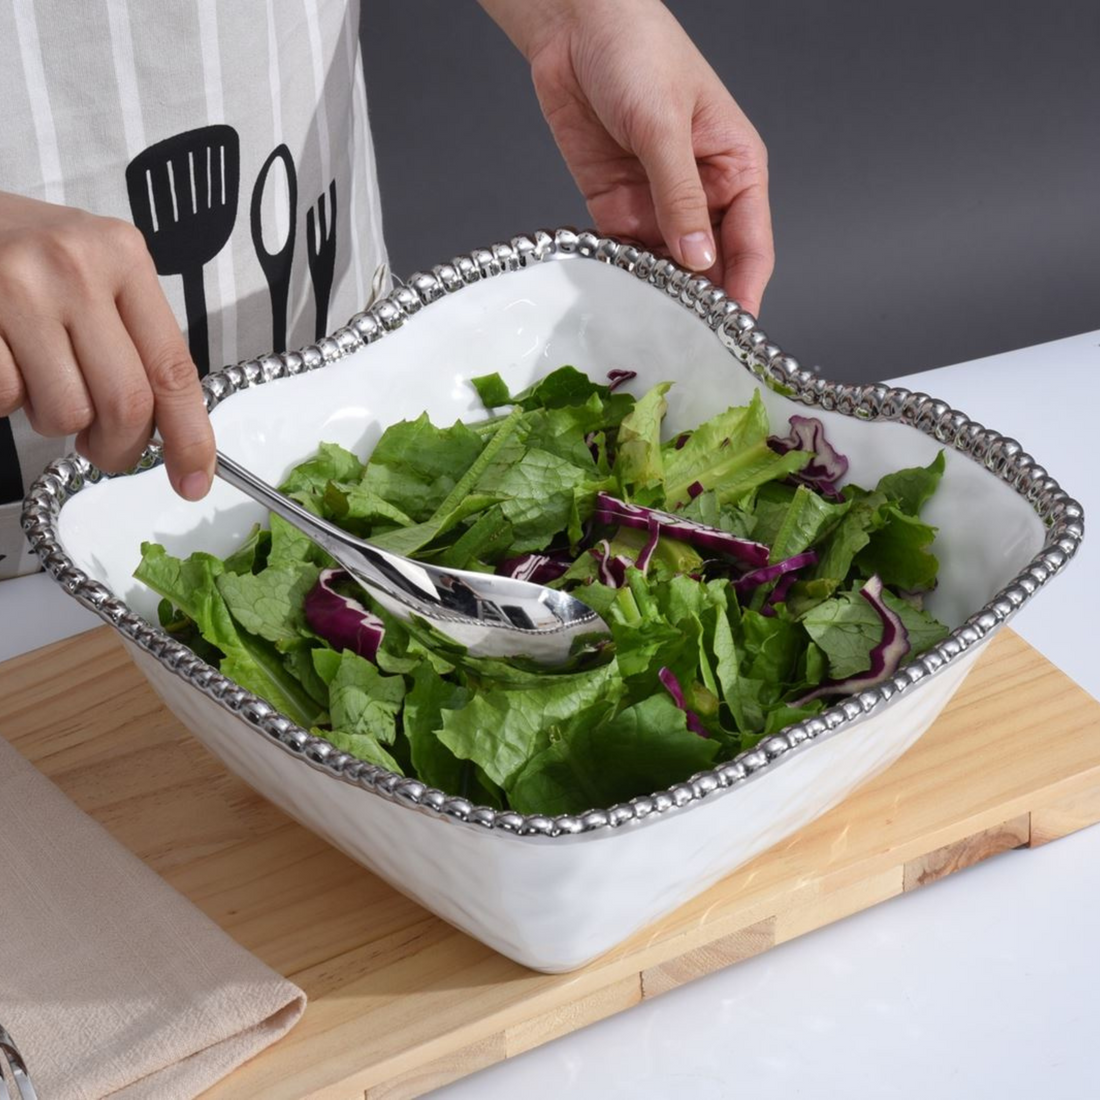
[{"x": 679, "y": 200}]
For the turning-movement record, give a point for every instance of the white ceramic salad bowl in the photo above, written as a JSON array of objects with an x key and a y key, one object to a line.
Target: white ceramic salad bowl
[{"x": 554, "y": 893}]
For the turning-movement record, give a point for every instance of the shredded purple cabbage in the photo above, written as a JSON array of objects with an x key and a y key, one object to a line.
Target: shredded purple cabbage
[
  {"x": 611, "y": 510},
  {"x": 537, "y": 568},
  {"x": 756, "y": 577},
  {"x": 827, "y": 466},
  {"x": 611, "y": 567},
  {"x": 651, "y": 544},
  {"x": 672, "y": 686},
  {"x": 617, "y": 378},
  {"x": 886, "y": 657},
  {"x": 343, "y": 622},
  {"x": 778, "y": 594}
]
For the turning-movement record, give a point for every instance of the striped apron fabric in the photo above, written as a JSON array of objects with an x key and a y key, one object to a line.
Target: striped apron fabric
[{"x": 129, "y": 108}]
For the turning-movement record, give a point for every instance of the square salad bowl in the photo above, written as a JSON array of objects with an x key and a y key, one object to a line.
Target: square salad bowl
[{"x": 555, "y": 892}]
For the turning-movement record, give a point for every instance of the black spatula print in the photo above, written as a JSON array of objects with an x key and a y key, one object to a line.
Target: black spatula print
[{"x": 183, "y": 197}]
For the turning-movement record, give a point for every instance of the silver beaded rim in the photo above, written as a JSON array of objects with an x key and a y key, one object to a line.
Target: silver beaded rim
[{"x": 750, "y": 346}]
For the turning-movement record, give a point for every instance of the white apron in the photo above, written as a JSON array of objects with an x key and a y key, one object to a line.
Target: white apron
[{"x": 247, "y": 120}]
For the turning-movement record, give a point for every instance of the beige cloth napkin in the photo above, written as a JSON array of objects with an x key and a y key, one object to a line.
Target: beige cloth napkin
[{"x": 111, "y": 983}]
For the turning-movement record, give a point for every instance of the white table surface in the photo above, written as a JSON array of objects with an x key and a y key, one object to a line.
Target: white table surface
[{"x": 984, "y": 984}]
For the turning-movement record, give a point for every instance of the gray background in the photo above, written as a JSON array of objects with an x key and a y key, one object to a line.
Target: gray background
[{"x": 935, "y": 167}]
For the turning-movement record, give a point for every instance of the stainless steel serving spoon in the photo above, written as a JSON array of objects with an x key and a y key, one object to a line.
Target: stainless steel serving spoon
[{"x": 490, "y": 616}]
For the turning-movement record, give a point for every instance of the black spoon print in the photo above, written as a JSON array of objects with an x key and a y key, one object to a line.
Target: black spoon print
[
  {"x": 183, "y": 196},
  {"x": 321, "y": 249},
  {"x": 276, "y": 265}
]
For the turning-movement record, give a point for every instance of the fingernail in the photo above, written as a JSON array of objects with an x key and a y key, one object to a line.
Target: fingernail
[
  {"x": 697, "y": 250},
  {"x": 194, "y": 486}
]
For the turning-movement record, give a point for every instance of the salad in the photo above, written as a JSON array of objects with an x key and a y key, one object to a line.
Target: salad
[{"x": 745, "y": 590}]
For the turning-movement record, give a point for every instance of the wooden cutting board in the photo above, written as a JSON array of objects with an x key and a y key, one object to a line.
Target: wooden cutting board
[{"x": 401, "y": 1002}]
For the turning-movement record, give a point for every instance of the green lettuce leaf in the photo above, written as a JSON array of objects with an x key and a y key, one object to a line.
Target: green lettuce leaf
[
  {"x": 646, "y": 640},
  {"x": 254, "y": 663},
  {"x": 362, "y": 745},
  {"x": 331, "y": 463},
  {"x": 595, "y": 760},
  {"x": 773, "y": 646},
  {"x": 899, "y": 551},
  {"x": 739, "y": 474},
  {"x": 485, "y": 540},
  {"x": 503, "y": 447},
  {"x": 299, "y": 663},
  {"x": 807, "y": 519},
  {"x": 492, "y": 390},
  {"x": 770, "y": 506},
  {"x": 357, "y": 508},
  {"x": 409, "y": 540},
  {"x": 684, "y": 598},
  {"x": 847, "y": 628},
  {"x": 559, "y": 389},
  {"x": 290, "y": 546},
  {"x": 361, "y": 699},
  {"x": 705, "y": 508},
  {"x": 562, "y": 432},
  {"x": 710, "y": 447},
  {"x": 782, "y": 716},
  {"x": 270, "y": 603},
  {"x": 502, "y": 727},
  {"x": 468, "y": 496},
  {"x": 600, "y": 597},
  {"x": 251, "y": 555},
  {"x": 538, "y": 495},
  {"x": 728, "y": 669},
  {"x": 670, "y": 558},
  {"x": 639, "y": 463},
  {"x": 850, "y": 536},
  {"x": 415, "y": 464},
  {"x": 912, "y": 487},
  {"x": 430, "y": 696}
]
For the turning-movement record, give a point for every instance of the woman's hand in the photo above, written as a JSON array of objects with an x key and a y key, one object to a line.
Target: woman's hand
[
  {"x": 89, "y": 344},
  {"x": 658, "y": 147}
]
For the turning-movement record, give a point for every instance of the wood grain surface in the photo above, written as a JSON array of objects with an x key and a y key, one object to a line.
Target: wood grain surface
[{"x": 401, "y": 1002}]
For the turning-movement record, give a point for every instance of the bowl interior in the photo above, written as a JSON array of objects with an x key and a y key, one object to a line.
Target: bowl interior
[{"x": 524, "y": 324}]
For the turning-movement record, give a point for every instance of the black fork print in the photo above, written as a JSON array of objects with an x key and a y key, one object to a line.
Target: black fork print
[
  {"x": 321, "y": 249},
  {"x": 183, "y": 196}
]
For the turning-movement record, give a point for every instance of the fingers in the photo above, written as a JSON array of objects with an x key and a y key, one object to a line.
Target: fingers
[
  {"x": 748, "y": 254},
  {"x": 85, "y": 380},
  {"x": 178, "y": 405},
  {"x": 679, "y": 200},
  {"x": 120, "y": 391},
  {"x": 12, "y": 391},
  {"x": 89, "y": 345},
  {"x": 56, "y": 399},
  {"x": 89, "y": 378}
]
